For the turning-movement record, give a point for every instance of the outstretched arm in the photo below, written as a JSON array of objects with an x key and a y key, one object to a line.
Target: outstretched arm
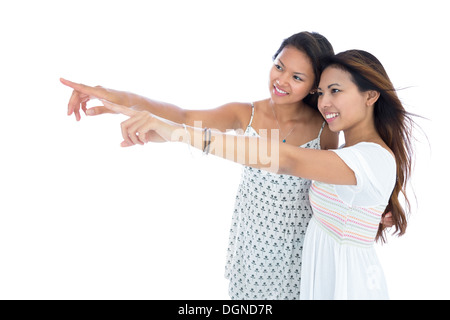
[
  {"x": 257, "y": 152},
  {"x": 83, "y": 93},
  {"x": 229, "y": 116},
  {"x": 270, "y": 155}
]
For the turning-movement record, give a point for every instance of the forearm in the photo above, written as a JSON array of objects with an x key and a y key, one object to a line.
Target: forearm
[
  {"x": 142, "y": 127},
  {"x": 271, "y": 155},
  {"x": 266, "y": 154},
  {"x": 161, "y": 109},
  {"x": 158, "y": 108},
  {"x": 256, "y": 152}
]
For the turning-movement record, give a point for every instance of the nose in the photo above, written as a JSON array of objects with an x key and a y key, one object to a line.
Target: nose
[
  {"x": 282, "y": 79},
  {"x": 324, "y": 101}
]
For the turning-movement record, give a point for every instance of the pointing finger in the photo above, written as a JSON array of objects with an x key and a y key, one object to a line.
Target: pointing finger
[
  {"x": 90, "y": 91},
  {"x": 94, "y": 111}
]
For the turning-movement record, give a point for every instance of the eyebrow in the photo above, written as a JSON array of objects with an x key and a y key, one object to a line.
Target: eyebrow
[
  {"x": 282, "y": 64},
  {"x": 333, "y": 84}
]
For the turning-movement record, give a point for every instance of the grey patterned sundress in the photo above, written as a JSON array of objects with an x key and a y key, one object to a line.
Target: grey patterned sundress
[{"x": 270, "y": 218}]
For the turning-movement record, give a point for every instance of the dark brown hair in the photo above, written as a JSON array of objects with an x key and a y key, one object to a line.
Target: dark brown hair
[
  {"x": 393, "y": 123},
  {"x": 317, "y": 48}
]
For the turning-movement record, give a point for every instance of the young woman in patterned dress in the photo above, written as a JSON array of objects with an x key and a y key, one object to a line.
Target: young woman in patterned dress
[{"x": 272, "y": 210}]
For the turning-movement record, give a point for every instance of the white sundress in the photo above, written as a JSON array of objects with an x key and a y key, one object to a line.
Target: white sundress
[
  {"x": 339, "y": 258},
  {"x": 270, "y": 218}
]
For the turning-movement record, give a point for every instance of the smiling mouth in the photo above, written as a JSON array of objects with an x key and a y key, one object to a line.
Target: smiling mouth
[
  {"x": 331, "y": 116},
  {"x": 278, "y": 91}
]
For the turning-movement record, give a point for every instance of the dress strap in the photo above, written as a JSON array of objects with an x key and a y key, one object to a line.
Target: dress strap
[
  {"x": 251, "y": 119},
  {"x": 321, "y": 129}
]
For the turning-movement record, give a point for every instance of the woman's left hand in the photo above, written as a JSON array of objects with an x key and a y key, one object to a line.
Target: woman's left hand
[
  {"x": 386, "y": 220},
  {"x": 141, "y": 127}
]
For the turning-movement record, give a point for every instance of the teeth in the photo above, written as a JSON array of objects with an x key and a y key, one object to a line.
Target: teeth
[
  {"x": 331, "y": 115},
  {"x": 280, "y": 91}
]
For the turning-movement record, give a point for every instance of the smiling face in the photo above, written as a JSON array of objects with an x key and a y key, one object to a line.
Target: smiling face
[
  {"x": 291, "y": 77},
  {"x": 342, "y": 104}
]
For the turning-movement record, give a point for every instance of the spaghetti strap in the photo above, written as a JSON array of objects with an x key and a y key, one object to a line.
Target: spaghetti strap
[
  {"x": 251, "y": 118},
  {"x": 321, "y": 129}
]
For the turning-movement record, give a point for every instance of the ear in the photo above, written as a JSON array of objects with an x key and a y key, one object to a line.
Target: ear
[{"x": 372, "y": 97}]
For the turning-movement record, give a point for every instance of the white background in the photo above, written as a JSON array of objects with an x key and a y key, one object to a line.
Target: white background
[{"x": 82, "y": 218}]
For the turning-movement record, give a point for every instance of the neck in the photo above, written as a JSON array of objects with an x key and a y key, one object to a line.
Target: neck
[
  {"x": 367, "y": 133},
  {"x": 289, "y": 112}
]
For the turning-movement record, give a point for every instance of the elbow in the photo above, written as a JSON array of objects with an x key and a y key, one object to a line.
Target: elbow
[{"x": 291, "y": 161}]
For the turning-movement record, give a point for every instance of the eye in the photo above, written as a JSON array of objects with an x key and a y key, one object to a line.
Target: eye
[
  {"x": 298, "y": 78},
  {"x": 319, "y": 93},
  {"x": 335, "y": 90},
  {"x": 278, "y": 67}
]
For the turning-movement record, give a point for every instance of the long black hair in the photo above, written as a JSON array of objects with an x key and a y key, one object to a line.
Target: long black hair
[
  {"x": 393, "y": 123},
  {"x": 317, "y": 48}
]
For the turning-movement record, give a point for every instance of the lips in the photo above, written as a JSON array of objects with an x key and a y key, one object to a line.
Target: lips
[
  {"x": 331, "y": 116},
  {"x": 279, "y": 92}
]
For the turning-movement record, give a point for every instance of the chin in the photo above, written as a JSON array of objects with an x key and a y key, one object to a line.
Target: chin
[{"x": 334, "y": 128}]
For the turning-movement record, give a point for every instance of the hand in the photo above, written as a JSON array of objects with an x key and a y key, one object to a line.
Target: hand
[
  {"x": 141, "y": 127},
  {"x": 81, "y": 95},
  {"x": 386, "y": 220}
]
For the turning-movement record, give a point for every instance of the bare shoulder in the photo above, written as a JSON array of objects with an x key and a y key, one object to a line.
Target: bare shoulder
[
  {"x": 328, "y": 139},
  {"x": 262, "y": 111},
  {"x": 240, "y": 112},
  {"x": 239, "y": 107},
  {"x": 228, "y": 116}
]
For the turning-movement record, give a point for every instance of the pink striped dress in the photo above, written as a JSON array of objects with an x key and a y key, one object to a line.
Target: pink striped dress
[{"x": 339, "y": 258}]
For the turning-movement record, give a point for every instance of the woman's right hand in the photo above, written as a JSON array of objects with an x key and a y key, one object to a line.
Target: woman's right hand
[{"x": 82, "y": 94}]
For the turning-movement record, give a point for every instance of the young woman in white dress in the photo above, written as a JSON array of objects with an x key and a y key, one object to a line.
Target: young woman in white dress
[{"x": 352, "y": 186}]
